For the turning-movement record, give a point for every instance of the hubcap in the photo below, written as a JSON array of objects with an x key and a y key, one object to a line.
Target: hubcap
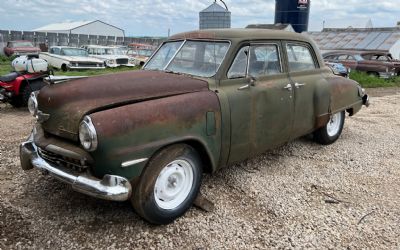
[
  {"x": 173, "y": 184},
  {"x": 333, "y": 125}
]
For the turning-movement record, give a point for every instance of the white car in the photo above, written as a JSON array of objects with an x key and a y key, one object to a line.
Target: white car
[
  {"x": 112, "y": 56},
  {"x": 67, "y": 58}
]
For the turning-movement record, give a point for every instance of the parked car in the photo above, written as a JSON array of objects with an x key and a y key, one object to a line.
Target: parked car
[
  {"x": 70, "y": 58},
  {"x": 382, "y": 57},
  {"x": 18, "y": 48},
  {"x": 139, "y": 56},
  {"x": 339, "y": 69},
  {"x": 204, "y": 100},
  {"x": 112, "y": 56},
  {"x": 355, "y": 61}
]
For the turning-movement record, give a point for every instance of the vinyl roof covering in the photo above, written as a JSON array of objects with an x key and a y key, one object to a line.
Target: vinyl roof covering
[
  {"x": 214, "y": 8},
  {"x": 356, "y": 39},
  {"x": 64, "y": 26}
]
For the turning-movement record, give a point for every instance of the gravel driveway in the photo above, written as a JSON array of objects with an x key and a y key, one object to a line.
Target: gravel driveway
[{"x": 346, "y": 195}]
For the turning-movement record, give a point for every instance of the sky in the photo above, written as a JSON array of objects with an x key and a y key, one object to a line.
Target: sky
[{"x": 156, "y": 17}]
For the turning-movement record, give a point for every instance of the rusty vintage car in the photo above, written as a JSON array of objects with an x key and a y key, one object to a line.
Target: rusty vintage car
[
  {"x": 204, "y": 100},
  {"x": 355, "y": 60},
  {"x": 381, "y": 56}
]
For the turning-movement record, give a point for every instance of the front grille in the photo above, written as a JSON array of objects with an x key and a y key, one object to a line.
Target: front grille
[
  {"x": 88, "y": 64},
  {"x": 122, "y": 61},
  {"x": 60, "y": 160}
]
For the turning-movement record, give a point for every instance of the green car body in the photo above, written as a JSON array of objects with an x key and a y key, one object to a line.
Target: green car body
[{"x": 225, "y": 119}]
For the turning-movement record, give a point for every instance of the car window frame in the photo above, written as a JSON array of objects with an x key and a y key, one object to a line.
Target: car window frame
[
  {"x": 304, "y": 44},
  {"x": 277, "y": 43}
]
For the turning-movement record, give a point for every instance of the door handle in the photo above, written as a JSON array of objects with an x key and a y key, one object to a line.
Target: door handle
[
  {"x": 247, "y": 86},
  {"x": 288, "y": 87},
  {"x": 298, "y": 85}
]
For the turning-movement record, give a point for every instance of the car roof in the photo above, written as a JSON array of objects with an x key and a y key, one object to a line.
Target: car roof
[
  {"x": 240, "y": 34},
  {"x": 99, "y": 46},
  {"x": 65, "y": 47}
]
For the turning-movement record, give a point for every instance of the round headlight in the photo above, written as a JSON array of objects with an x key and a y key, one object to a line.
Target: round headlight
[
  {"x": 87, "y": 134},
  {"x": 33, "y": 104},
  {"x": 110, "y": 61}
]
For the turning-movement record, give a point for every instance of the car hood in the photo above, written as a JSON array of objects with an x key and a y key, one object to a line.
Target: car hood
[
  {"x": 67, "y": 103},
  {"x": 81, "y": 59},
  {"x": 110, "y": 56},
  {"x": 23, "y": 49}
]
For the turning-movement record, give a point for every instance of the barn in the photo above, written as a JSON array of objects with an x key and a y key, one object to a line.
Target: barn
[
  {"x": 95, "y": 27},
  {"x": 362, "y": 39}
]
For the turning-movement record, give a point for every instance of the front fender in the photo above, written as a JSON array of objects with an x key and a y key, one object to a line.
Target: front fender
[{"x": 137, "y": 131}]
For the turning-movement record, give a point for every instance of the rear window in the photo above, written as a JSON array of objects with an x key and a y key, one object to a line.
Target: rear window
[{"x": 300, "y": 58}]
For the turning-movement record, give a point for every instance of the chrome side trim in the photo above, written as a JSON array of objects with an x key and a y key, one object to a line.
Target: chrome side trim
[
  {"x": 110, "y": 187},
  {"x": 133, "y": 162}
]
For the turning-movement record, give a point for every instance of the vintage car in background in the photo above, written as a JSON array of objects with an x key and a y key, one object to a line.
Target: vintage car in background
[
  {"x": 338, "y": 69},
  {"x": 140, "y": 56},
  {"x": 112, "y": 56},
  {"x": 204, "y": 100},
  {"x": 355, "y": 61},
  {"x": 70, "y": 58},
  {"x": 382, "y": 57},
  {"x": 19, "y": 48}
]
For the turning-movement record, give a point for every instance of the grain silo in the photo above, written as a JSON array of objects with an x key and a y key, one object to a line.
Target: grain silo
[
  {"x": 294, "y": 12},
  {"x": 215, "y": 17}
]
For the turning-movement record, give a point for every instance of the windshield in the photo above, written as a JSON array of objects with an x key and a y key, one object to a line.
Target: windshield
[
  {"x": 114, "y": 51},
  {"x": 22, "y": 44},
  {"x": 199, "y": 58},
  {"x": 145, "y": 52},
  {"x": 74, "y": 52}
]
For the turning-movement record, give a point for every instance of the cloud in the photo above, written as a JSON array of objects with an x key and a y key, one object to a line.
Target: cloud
[{"x": 155, "y": 17}]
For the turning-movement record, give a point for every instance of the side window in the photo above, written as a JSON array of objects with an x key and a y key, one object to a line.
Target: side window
[
  {"x": 55, "y": 51},
  {"x": 264, "y": 60},
  {"x": 300, "y": 58},
  {"x": 351, "y": 58},
  {"x": 239, "y": 66},
  {"x": 342, "y": 57}
]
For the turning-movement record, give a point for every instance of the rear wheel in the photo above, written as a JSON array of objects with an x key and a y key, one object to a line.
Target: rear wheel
[
  {"x": 329, "y": 133},
  {"x": 168, "y": 185}
]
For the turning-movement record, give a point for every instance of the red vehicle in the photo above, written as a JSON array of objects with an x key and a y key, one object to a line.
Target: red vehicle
[
  {"x": 20, "y": 48},
  {"x": 15, "y": 87}
]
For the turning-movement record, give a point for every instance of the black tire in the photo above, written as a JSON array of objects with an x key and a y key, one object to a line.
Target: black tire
[
  {"x": 64, "y": 68},
  {"x": 325, "y": 136},
  {"x": 27, "y": 89},
  {"x": 144, "y": 195},
  {"x": 373, "y": 74}
]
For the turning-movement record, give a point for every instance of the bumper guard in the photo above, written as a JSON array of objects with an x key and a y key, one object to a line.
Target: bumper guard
[{"x": 111, "y": 187}]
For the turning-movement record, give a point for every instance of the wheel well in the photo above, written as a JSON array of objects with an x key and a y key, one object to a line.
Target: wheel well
[
  {"x": 205, "y": 158},
  {"x": 350, "y": 111}
]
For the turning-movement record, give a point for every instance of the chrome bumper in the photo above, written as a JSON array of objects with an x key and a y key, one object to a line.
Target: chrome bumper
[{"x": 111, "y": 187}]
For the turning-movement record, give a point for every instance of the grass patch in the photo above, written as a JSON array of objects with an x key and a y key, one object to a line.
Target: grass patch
[
  {"x": 5, "y": 68},
  {"x": 367, "y": 81}
]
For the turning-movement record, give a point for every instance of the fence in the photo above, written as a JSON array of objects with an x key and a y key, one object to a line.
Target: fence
[{"x": 76, "y": 40}]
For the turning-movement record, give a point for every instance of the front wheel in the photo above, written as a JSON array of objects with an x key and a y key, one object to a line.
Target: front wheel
[
  {"x": 168, "y": 185},
  {"x": 329, "y": 133}
]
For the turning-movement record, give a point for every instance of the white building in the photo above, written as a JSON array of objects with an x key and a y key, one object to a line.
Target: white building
[
  {"x": 83, "y": 27},
  {"x": 361, "y": 39}
]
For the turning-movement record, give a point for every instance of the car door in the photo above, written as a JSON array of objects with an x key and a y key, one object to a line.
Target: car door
[
  {"x": 260, "y": 98},
  {"x": 305, "y": 74}
]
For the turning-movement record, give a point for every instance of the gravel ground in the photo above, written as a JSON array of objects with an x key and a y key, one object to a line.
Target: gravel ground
[{"x": 302, "y": 195}]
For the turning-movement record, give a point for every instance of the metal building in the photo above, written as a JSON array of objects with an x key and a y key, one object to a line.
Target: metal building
[
  {"x": 367, "y": 39},
  {"x": 96, "y": 27},
  {"x": 215, "y": 17}
]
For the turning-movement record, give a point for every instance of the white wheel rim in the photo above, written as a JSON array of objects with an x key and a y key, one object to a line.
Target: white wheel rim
[
  {"x": 173, "y": 184},
  {"x": 333, "y": 125}
]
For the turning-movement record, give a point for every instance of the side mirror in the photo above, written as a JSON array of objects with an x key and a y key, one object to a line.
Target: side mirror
[{"x": 251, "y": 80}]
